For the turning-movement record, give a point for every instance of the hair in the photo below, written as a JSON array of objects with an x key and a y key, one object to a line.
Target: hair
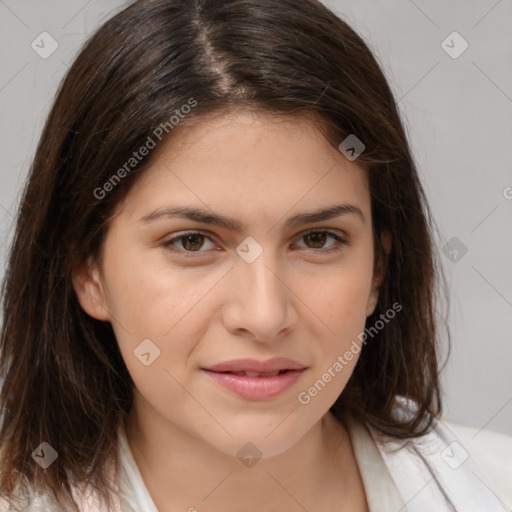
[{"x": 65, "y": 380}]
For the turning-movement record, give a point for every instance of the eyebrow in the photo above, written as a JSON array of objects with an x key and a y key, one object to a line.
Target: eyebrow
[{"x": 216, "y": 219}]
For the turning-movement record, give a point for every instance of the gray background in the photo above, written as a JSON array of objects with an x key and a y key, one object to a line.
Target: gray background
[{"x": 458, "y": 113}]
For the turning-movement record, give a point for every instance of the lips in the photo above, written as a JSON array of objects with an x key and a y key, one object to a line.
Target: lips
[
  {"x": 255, "y": 388},
  {"x": 256, "y": 380},
  {"x": 257, "y": 374},
  {"x": 254, "y": 368}
]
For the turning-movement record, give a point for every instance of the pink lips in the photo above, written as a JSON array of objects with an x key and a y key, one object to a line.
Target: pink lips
[{"x": 256, "y": 387}]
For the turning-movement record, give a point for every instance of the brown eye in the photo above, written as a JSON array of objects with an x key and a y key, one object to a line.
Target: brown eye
[
  {"x": 317, "y": 239},
  {"x": 190, "y": 242}
]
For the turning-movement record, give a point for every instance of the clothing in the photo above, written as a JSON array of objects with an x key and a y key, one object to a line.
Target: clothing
[
  {"x": 135, "y": 496},
  {"x": 382, "y": 494},
  {"x": 437, "y": 472},
  {"x": 401, "y": 481}
]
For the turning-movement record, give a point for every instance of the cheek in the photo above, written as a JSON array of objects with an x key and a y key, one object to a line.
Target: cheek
[
  {"x": 346, "y": 319},
  {"x": 340, "y": 299},
  {"x": 151, "y": 301},
  {"x": 145, "y": 296},
  {"x": 341, "y": 303}
]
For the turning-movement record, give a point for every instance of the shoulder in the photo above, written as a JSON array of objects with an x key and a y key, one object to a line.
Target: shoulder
[
  {"x": 459, "y": 466},
  {"x": 31, "y": 503},
  {"x": 86, "y": 498},
  {"x": 492, "y": 452}
]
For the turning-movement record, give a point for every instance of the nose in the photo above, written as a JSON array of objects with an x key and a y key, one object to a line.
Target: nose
[{"x": 260, "y": 303}]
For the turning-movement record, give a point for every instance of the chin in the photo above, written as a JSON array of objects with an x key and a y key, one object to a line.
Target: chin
[{"x": 261, "y": 439}]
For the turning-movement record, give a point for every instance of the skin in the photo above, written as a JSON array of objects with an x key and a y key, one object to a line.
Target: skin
[{"x": 296, "y": 300}]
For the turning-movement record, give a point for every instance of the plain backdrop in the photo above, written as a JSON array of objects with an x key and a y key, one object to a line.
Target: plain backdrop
[{"x": 457, "y": 108}]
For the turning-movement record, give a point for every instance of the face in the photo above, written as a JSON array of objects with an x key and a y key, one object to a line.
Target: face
[{"x": 265, "y": 283}]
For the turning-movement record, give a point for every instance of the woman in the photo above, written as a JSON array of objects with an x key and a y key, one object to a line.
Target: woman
[{"x": 221, "y": 291}]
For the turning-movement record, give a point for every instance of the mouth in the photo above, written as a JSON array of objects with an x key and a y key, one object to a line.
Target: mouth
[
  {"x": 257, "y": 374},
  {"x": 255, "y": 386},
  {"x": 255, "y": 368}
]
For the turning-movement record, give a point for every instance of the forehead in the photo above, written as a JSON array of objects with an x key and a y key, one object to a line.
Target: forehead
[{"x": 249, "y": 162}]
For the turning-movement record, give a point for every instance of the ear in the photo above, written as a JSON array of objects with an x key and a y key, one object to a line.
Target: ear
[
  {"x": 90, "y": 292},
  {"x": 379, "y": 271}
]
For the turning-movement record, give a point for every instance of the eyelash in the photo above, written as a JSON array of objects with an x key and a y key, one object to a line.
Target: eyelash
[{"x": 340, "y": 242}]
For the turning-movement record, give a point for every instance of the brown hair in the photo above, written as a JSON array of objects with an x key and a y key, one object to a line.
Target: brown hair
[{"x": 65, "y": 380}]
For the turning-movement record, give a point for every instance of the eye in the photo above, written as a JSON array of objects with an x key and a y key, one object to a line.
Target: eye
[
  {"x": 190, "y": 241},
  {"x": 317, "y": 239}
]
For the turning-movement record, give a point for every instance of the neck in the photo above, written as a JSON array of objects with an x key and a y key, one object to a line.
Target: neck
[{"x": 169, "y": 459}]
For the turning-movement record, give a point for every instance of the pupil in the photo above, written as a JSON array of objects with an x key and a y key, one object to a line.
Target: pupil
[
  {"x": 194, "y": 242},
  {"x": 195, "y": 245},
  {"x": 318, "y": 239}
]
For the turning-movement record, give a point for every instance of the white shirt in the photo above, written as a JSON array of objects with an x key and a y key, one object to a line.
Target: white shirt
[
  {"x": 437, "y": 472},
  {"x": 424, "y": 473}
]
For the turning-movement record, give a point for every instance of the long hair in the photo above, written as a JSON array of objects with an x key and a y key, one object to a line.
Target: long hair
[{"x": 65, "y": 381}]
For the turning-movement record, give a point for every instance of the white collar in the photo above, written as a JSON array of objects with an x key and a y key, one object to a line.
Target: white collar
[{"x": 410, "y": 475}]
